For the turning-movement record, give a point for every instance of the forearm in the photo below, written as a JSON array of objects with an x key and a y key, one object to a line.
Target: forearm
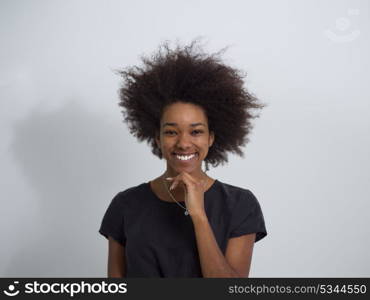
[{"x": 212, "y": 260}]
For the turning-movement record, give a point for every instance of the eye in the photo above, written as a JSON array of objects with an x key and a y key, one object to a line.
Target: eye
[
  {"x": 197, "y": 131},
  {"x": 170, "y": 132}
]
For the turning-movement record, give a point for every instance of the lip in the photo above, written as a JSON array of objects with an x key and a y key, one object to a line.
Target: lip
[
  {"x": 186, "y": 161},
  {"x": 178, "y": 153}
]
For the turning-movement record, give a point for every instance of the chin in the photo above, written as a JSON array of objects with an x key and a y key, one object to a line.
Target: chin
[{"x": 179, "y": 169}]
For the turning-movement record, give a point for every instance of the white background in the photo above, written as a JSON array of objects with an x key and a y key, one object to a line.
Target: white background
[{"x": 65, "y": 152}]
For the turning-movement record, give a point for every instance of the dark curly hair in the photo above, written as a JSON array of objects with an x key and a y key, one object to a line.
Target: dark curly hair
[{"x": 188, "y": 74}]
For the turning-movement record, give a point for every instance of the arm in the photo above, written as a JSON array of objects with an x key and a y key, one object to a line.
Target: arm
[
  {"x": 213, "y": 263},
  {"x": 239, "y": 252},
  {"x": 116, "y": 259}
]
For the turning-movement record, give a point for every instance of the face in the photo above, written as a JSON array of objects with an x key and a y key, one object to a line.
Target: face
[{"x": 184, "y": 137}]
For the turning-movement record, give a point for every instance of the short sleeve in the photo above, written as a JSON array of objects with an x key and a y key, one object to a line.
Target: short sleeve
[
  {"x": 247, "y": 217},
  {"x": 112, "y": 223}
]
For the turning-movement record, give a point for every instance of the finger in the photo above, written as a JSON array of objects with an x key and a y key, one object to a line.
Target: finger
[
  {"x": 189, "y": 178},
  {"x": 178, "y": 180},
  {"x": 173, "y": 185}
]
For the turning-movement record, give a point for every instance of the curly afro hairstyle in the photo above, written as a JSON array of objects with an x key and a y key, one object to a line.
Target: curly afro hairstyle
[{"x": 188, "y": 74}]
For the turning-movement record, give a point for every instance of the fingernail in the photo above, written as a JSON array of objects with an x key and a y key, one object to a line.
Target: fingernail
[
  {"x": 171, "y": 187},
  {"x": 169, "y": 178}
]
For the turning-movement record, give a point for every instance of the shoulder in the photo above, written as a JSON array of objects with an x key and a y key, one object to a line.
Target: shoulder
[
  {"x": 128, "y": 195},
  {"x": 238, "y": 196}
]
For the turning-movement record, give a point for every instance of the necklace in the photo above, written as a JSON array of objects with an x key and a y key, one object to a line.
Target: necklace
[{"x": 186, "y": 210}]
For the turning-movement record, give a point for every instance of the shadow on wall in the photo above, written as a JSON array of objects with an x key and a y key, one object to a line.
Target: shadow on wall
[{"x": 73, "y": 160}]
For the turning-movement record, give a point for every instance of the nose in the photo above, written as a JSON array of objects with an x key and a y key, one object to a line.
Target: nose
[{"x": 183, "y": 141}]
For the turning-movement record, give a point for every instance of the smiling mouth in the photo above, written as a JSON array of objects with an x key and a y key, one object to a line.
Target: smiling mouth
[{"x": 187, "y": 157}]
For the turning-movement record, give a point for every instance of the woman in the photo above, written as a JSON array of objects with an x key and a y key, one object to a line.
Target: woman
[{"x": 191, "y": 108}]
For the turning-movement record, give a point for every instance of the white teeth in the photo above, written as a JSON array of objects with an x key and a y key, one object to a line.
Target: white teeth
[{"x": 185, "y": 157}]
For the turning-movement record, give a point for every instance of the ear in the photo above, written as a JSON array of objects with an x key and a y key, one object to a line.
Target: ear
[{"x": 211, "y": 138}]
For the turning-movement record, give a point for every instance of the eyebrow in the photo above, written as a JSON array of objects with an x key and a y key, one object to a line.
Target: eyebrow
[{"x": 175, "y": 124}]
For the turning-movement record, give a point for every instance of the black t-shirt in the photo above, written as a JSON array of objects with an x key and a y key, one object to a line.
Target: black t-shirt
[{"x": 159, "y": 238}]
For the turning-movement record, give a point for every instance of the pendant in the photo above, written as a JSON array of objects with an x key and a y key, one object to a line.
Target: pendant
[{"x": 186, "y": 213}]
